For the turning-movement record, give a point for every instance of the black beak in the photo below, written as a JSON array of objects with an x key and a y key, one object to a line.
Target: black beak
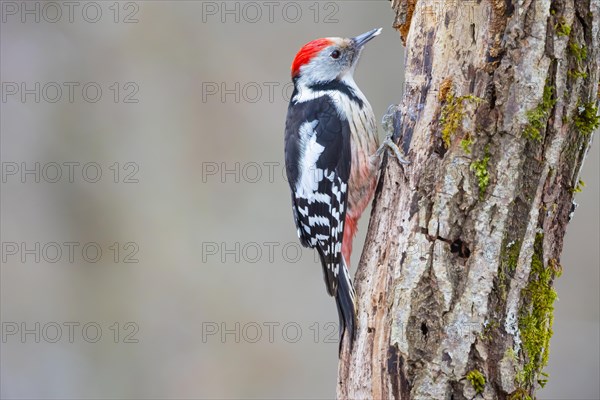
[{"x": 361, "y": 40}]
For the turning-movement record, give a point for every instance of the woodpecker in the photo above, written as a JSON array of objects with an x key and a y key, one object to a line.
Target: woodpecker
[{"x": 331, "y": 157}]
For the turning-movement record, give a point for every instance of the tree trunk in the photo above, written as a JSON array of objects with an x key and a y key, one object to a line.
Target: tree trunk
[{"x": 455, "y": 280}]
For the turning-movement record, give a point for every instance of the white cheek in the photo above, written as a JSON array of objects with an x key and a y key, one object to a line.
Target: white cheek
[{"x": 321, "y": 69}]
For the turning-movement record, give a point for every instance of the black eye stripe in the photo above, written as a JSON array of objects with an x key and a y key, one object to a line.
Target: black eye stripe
[{"x": 335, "y": 54}]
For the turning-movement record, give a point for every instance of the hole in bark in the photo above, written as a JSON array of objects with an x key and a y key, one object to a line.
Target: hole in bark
[
  {"x": 509, "y": 8},
  {"x": 424, "y": 329},
  {"x": 440, "y": 149},
  {"x": 491, "y": 59},
  {"x": 446, "y": 358},
  {"x": 370, "y": 330},
  {"x": 491, "y": 95},
  {"x": 460, "y": 247}
]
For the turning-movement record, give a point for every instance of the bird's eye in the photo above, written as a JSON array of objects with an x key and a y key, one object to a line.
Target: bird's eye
[{"x": 335, "y": 54}]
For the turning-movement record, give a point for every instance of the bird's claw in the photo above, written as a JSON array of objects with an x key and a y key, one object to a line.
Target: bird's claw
[
  {"x": 389, "y": 143},
  {"x": 387, "y": 123}
]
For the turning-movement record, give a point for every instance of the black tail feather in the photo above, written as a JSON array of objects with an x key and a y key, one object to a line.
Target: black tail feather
[{"x": 344, "y": 300}]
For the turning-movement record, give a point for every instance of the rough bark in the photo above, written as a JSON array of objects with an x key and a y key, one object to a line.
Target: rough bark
[{"x": 455, "y": 279}]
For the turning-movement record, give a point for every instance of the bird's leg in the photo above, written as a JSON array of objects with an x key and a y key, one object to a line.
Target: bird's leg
[{"x": 387, "y": 123}]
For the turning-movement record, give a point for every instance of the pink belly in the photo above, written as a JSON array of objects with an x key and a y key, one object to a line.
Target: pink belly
[{"x": 361, "y": 187}]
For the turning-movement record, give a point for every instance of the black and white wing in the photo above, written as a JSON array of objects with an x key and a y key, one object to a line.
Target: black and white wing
[{"x": 318, "y": 160}]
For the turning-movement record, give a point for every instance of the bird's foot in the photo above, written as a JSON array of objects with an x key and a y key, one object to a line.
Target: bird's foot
[
  {"x": 390, "y": 145},
  {"x": 387, "y": 124}
]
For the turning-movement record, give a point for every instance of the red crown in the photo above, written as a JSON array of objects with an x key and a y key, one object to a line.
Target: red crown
[{"x": 307, "y": 52}]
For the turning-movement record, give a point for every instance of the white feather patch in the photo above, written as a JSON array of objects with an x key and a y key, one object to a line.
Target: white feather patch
[
  {"x": 318, "y": 220},
  {"x": 310, "y": 151}
]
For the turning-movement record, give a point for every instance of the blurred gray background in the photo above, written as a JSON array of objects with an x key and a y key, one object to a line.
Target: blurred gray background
[{"x": 201, "y": 289}]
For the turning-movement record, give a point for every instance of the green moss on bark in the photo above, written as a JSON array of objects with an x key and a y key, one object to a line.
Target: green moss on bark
[
  {"x": 508, "y": 264},
  {"x": 538, "y": 117},
  {"x": 579, "y": 187},
  {"x": 466, "y": 143},
  {"x": 519, "y": 394},
  {"x": 453, "y": 113},
  {"x": 586, "y": 118},
  {"x": 537, "y": 316},
  {"x": 579, "y": 53},
  {"x": 562, "y": 28},
  {"x": 477, "y": 380},
  {"x": 480, "y": 168}
]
